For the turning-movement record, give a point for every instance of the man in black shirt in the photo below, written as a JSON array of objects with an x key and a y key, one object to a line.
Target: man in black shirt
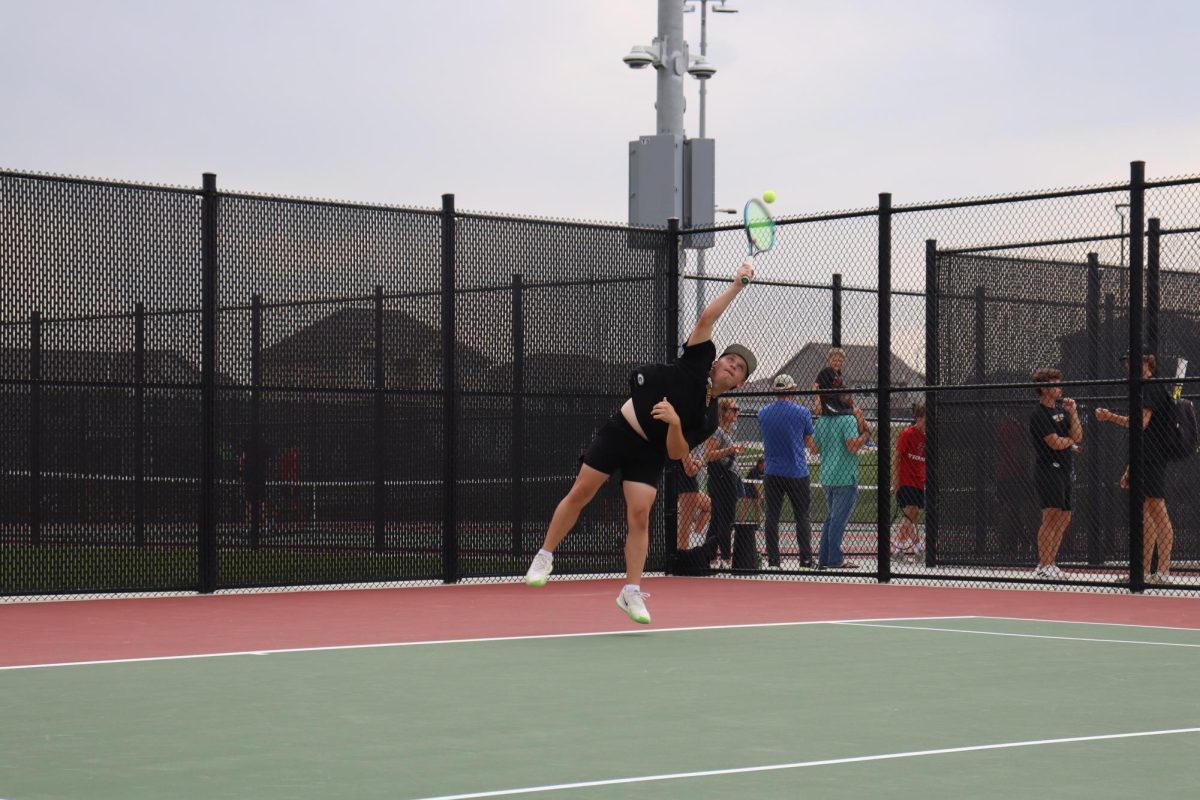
[
  {"x": 1158, "y": 422},
  {"x": 671, "y": 409},
  {"x": 1055, "y": 431},
  {"x": 830, "y": 377}
]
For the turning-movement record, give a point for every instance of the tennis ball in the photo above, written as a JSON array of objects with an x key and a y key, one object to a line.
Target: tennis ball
[{"x": 769, "y": 196}]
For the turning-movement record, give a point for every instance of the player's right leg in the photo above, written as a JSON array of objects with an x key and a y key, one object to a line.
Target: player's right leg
[{"x": 566, "y": 514}]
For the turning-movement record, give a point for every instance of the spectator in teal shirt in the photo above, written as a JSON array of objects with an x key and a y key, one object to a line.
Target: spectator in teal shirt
[{"x": 839, "y": 442}]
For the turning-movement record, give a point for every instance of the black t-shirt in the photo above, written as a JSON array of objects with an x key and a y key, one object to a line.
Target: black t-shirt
[
  {"x": 833, "y": 404},
  {"x": 1042, "y": 423},
  {"x": 685, "y": 385},
  {"x": 1157, "y": 398}
]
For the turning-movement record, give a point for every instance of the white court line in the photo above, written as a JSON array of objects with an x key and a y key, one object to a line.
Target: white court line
[
  {"x": 375, "y": 645},
  {"x": 802, "y": 764},
  {"x": 1092, "y": 622},
  {"x": 873, "y": 624}
]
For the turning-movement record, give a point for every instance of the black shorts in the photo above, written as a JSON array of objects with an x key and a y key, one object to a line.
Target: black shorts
[
  {"x": 910, "y": 496},
  {"x": 618, "y": 447},
  {"x": 1154, "y": 478},
  {"x": 1053, "y": 486}
]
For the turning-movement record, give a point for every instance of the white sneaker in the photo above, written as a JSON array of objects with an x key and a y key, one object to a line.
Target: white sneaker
[
  {"x": 539, "y": 570},
  {"x": 1052, "y": 571},
  {"x": 1158, "y": 578},
  {"x": 634, "y": 604}
]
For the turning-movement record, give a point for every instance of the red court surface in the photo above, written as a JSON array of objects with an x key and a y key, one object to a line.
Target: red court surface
[{"x": 108, "y": 629}]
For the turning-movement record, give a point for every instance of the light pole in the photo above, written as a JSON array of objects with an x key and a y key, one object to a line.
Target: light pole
[
  {"x": 1121, "y": 214},
  {"x": 721, "y": 8},
  {"x": 669, "y": 174}
]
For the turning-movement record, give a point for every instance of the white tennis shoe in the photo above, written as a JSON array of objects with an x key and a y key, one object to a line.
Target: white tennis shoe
[
  {"x": 539, "y": 570},
  {"x": 634, "y": 604}
]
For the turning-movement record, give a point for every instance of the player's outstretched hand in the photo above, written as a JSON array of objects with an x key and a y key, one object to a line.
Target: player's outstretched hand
[
  {"x": 663, "y": 411},
  {"x": 745, "y": 273}
]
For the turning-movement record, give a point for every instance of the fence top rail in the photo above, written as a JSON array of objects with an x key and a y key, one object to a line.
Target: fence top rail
[
  {"x": 1053, "y": 194},
  {"x": 107, "y": 183},
  {"x": 330, "y": 203},
  {"x": 566, "y": 223},
  {"x": 431, "y": 211},
  {"x": 1076, "y": 240}
]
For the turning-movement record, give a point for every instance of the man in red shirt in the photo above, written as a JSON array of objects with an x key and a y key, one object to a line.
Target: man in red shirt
[{"x": 908, "y": 483}]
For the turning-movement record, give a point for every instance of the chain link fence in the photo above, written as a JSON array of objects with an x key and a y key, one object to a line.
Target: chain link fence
[{"x": 205, "y": 390}]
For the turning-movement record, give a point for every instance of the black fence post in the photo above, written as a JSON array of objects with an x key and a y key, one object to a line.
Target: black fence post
[
  {"x": 35, "y": 428},
  {"x": 449, "y": 398},
  {"x": 1095, "y": 551},
  {"x": 379, "y": 498},
  {"x": 1112, "y": 459},
  {"x": 1153, "y": 299},
  {"x": 932, "y": 378},
  {"x": 139, "y": 424},
  {"x": 1137, "y": 266},
  {"x": 670, "y": 487},
  {"x": 208, "y": 384},
  {"x": 835, "y": 335},
  {"x": 883, "y": 432},
  {"x": 980, "y": 379},
  {"x": 517, "y": 457},
  {"x": 1152, "y": 308},
  {"x": 254, "y": 469}
]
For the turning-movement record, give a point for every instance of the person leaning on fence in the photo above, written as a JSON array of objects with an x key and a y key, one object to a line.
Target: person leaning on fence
[
  {"x": 830, "y": 377},
  {"x": 787, "y": 431},
  {"x": 839, "y": 447},
  {"x": 1056, "y": 431},
  {"x": 908, "y": 484},
  {"x": 1158, "y": 415},
  {"x": 670, "y": 411},
  {"x": 724, "y": 484},
  {"x": 694, "y": 505}
]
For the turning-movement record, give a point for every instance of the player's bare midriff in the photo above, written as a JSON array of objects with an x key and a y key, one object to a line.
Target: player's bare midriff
[{"x": 631, "y": 418}]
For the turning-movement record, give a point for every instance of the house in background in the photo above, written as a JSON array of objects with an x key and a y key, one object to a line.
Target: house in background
[
  {"x": 338, "y": 352},
  {"x": 860, "y": 371}
]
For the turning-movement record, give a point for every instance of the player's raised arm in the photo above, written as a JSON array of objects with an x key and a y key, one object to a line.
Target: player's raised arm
[{"x": 710, "y": 315}]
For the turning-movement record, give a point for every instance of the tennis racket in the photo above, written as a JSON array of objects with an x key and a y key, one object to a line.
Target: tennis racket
[{"x": 760, "y": 228}]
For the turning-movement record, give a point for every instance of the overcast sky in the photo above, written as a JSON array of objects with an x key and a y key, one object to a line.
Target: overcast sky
[{"x": 526, "y": 107}]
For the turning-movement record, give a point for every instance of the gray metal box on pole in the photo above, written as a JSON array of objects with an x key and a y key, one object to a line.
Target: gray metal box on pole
[{"x": 655, "y": 180}]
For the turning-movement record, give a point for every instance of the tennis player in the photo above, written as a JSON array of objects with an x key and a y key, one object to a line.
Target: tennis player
[
  {"x": 1056, "y": 431},
  {"x": 672, "y": 409},
  {"x": 1158, "y": 412}
]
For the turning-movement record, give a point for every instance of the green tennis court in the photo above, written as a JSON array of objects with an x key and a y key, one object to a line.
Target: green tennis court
[{"x": 943, "y": 707}]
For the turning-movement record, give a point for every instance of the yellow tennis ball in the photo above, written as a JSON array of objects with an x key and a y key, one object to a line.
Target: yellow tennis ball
[{"x": 769, "y": 196}]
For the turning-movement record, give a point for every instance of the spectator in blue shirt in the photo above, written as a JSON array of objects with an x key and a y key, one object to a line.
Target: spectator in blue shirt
[{"x": 787, "y": 429}]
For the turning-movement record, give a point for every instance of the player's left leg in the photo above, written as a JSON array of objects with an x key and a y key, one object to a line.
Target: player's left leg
[{"x": 639, "y": 498}]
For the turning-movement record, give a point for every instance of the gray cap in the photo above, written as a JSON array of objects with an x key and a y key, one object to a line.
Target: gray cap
[
  {"x": 784, "y": 381},
  {"x": 747, "y": 356}
]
